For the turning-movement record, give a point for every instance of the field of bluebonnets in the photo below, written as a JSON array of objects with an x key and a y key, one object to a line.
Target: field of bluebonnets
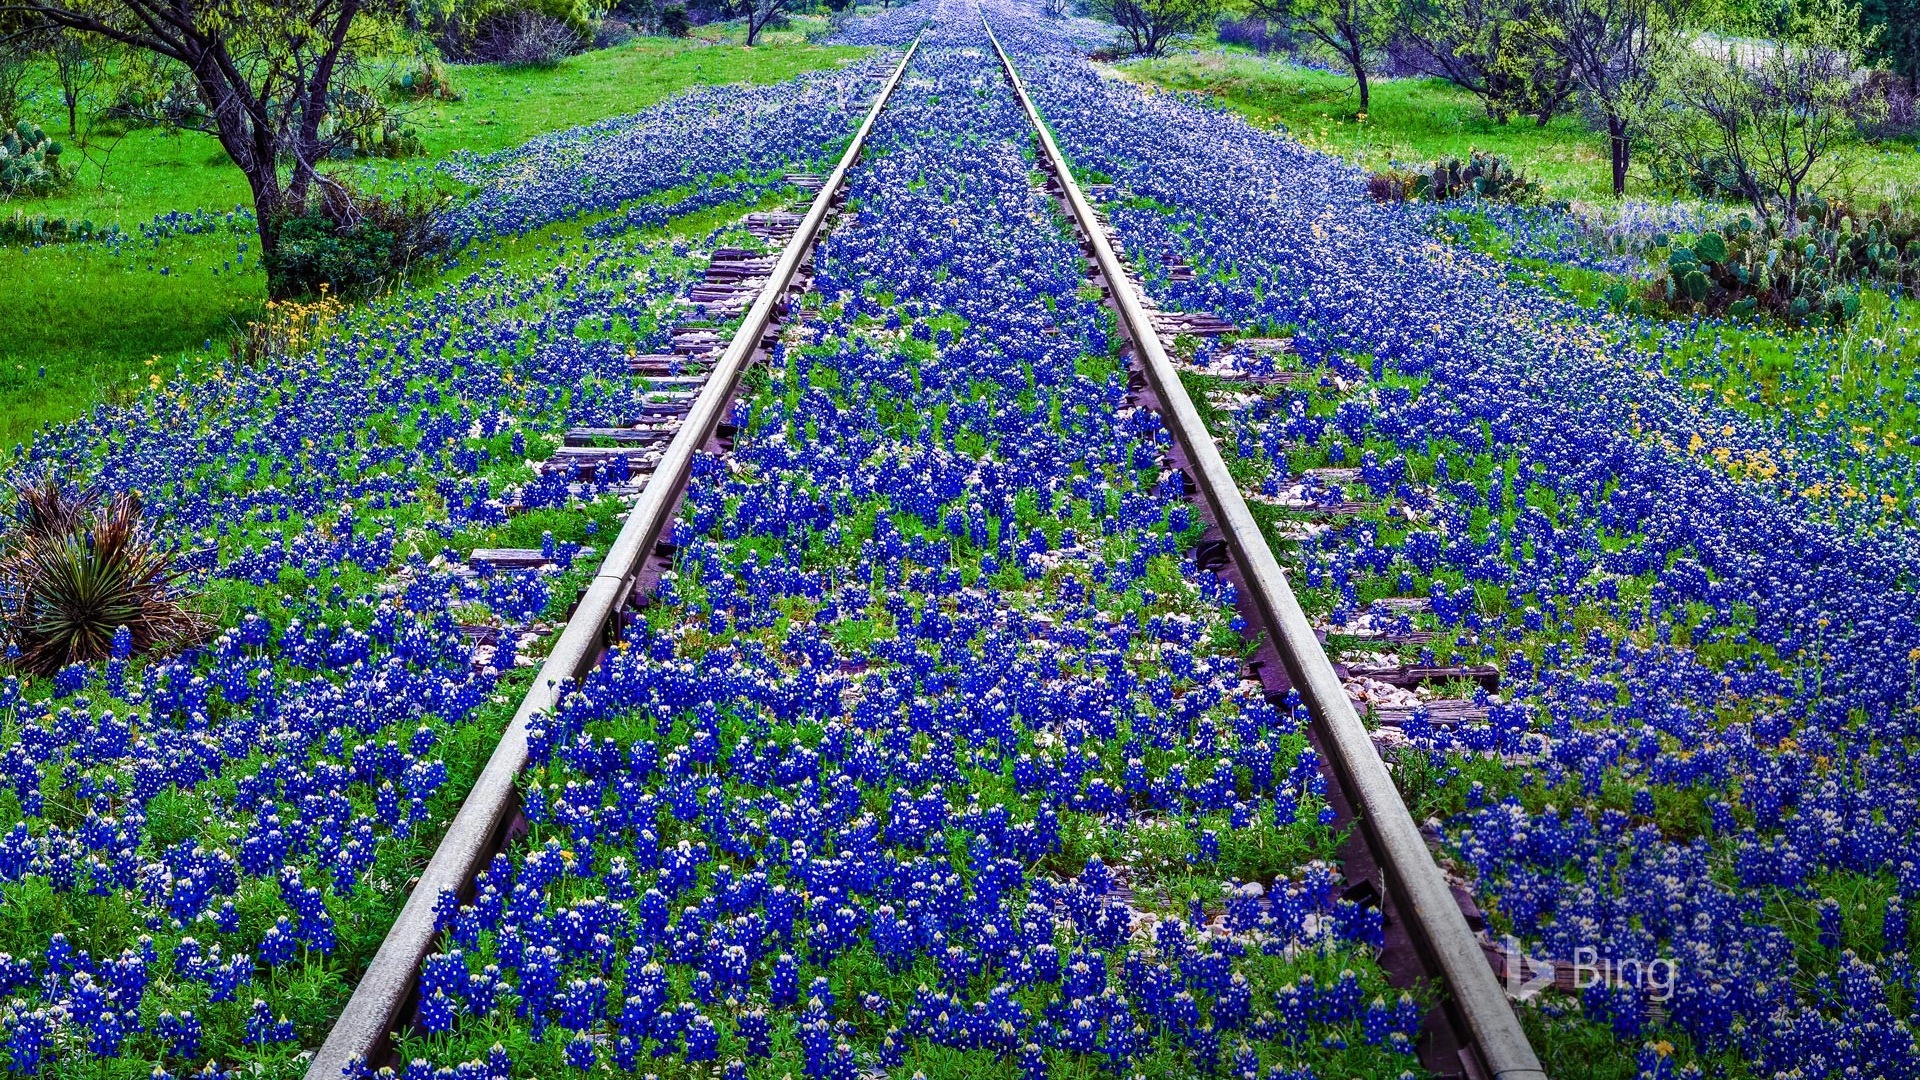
[
  {"x": 934, "y": 753},
  {"x": 204, "y": 850},
  {"x": 1705, "y": 622}
]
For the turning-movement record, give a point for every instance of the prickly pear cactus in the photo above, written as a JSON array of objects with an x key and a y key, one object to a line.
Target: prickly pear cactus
[
  {"x": 29, "y": 162},
  {"x": 1744, "y": 269}
]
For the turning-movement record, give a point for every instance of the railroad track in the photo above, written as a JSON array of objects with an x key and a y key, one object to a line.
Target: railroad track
[
  {"x": 363, "y": 1032},
  {"x": 1475, "y": 1034},
  {"x": 1481, "y": 1035}
]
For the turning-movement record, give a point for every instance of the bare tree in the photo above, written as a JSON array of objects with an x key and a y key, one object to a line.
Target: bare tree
[
  {"x": 759, "y": 13},
  {"x": 1774, "y": 121},
  {"x": 76, "y": 66},
  {"x": 265, "y": 70},
  {"x": 1353, "y": 29},
  {"x": 1613, "y": 49}
]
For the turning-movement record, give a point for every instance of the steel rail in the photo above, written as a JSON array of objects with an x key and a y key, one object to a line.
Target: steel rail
[
  {"x": 364, "y": 1027},
  {"x": 1439, "y": 929}
]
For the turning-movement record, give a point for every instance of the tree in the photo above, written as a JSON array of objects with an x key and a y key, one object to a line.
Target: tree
[
  {"x": 265, "y": 70},
  {"x": 1491, "y": 49},
  {"x": 759, "y": 13},
  {"x": 1152, "y": 25},
  {"x": 1771, "y": 122},
  {"x": 1351, "y": 28},
  {"x": 1895, "y": 25},
  {"x": 77, "y": 61},
  {"x": 20, "y": 35},
  {"x": 1613, "y": 50}
]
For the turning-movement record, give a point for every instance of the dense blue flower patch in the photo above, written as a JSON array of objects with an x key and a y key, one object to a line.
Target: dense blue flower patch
[
  {"x": 680, "y": 143},
  {"x": 211, "y": 844},
  {"x": 1700, "y": 748},
  {"x": 1613, "y": 239},
  {"x": 934, "y": 751}
]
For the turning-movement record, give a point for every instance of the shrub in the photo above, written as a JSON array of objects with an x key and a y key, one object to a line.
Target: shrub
[
  {"x": 1396, "y": 185},
  {"x": 20, "y": 228},
  {"x": 527, "y": 39},
  {"x": 171, "y": 104},
  {"x": 352, "y": 243},
  {"x": 674, "y": 21},
  {"x": 359, "y": 124},
  {"x": 427, "y": 79},
  {"x": 1712, "y": 177},
  {"x": 84, "y": 580},
  {"x": 1482, "y": 175},
  {"x": 518, "y": 31},
  {"x": 1257, "y": 34},
  {"x": 1896, "y": 113},
  {"x": 1810, "y": 276},
  {"x": 30, "y": 162}
]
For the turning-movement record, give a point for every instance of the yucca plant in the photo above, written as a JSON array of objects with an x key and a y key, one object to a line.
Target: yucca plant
[
  {"x": 77, "y": 567},
  {"x": 50, "y": 508}
]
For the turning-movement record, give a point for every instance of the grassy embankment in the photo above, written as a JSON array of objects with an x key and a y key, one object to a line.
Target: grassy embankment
[
  {"x": 1416, "y": 121},
  {"x": 82, "y": 319}
]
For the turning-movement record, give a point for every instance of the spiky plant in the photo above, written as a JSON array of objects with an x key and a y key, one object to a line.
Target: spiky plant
[
  {"x": 50, "y": 508},
  {"x": 77, "y": 568}
]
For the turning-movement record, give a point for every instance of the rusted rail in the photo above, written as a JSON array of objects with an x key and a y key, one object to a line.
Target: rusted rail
[
  {"x": 1492, "y": 1043},
  {"x": 364, "y": 1029}
]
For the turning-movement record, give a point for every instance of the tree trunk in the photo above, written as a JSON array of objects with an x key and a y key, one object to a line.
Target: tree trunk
[
  {"x": 1497, "y": 97},
  {"x": 1360, "y": 76},
  {"x": 1617, "y": 143},
  {"x": 250, "y": 144},
  {"x": 267, "y": 210}
]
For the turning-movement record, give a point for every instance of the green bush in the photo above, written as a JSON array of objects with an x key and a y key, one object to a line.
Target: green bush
[
  {"x": 518, "y": 31},
  {"x": 427, "y": 79},
  {"x": 22, "y": 228},
  {"x": 1483, "y": 175},
  {"x": 358, "y": 124},
  {"x": 1809, "y": 276},
  {"x": 171, "y": 102},
  {"x": 30, "y": 162},
  {"x": 351, "y": 243},
  {"x": 1713, "y": 178}
]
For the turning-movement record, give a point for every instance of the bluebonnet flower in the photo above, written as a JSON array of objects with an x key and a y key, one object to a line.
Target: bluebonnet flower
[{"x": 844, "y": 775}]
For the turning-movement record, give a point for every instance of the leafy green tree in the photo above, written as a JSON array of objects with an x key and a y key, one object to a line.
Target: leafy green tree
[
  {"x": 1895, "y": 25},
  {"x": 1491, "y": 49},
  {"x": 1152, "y": 25},
  {"x": 1614, "y": 50},
  {"x": 1774, "y": 123},
  {"x": 266, "y": 70},
  {"x": 1352, "y": 29}
]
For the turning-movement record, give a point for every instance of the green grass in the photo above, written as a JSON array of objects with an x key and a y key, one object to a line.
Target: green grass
[
  {"x": 1418, "y": 121},
  {"x": 80, "y": 322},
  {"x": 311, "y": 989},
  {"x": 1852, "y": 392}
]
